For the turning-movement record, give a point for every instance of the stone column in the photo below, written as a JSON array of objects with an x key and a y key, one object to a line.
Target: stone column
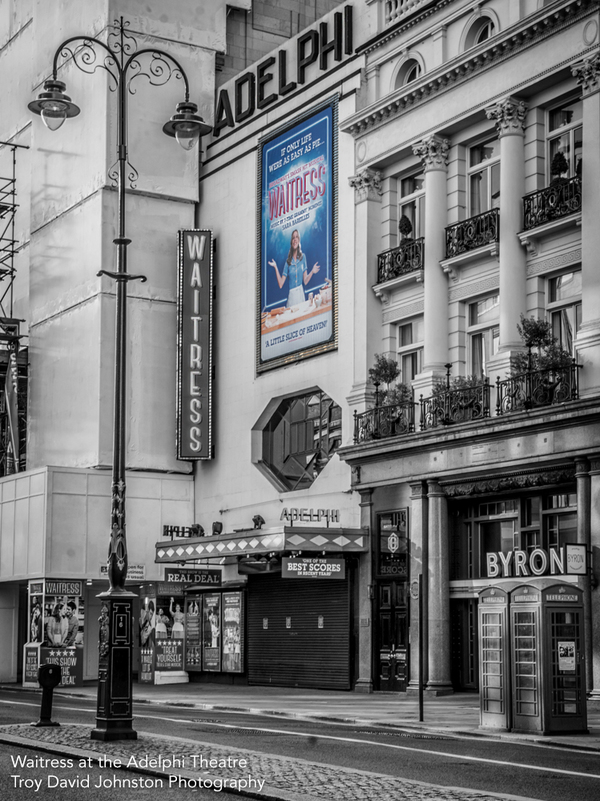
[
  {"x": 438, "y": 594},
  {"x": 418, "y": 564},
  {"x": 595, "y": 576},
  {"x": 587, "y": 73},
  {"x": 509, "y": 115},
  {"x": 367, "y": 310},
  {"x": 433, "y": 153},
  {"x": 583, "y": 537},
  {"x": 364, "y": 681}
]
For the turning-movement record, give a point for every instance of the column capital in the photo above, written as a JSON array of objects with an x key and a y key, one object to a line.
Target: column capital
[
  {"x": 587, "y": 74},
  {"x": 509, "y": 115},
  {"x": 367, "y": 185},
  {"x": 433, "y": 152},
  {"x": 418, "y": 490}
]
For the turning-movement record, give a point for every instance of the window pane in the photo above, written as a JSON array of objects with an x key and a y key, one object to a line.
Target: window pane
[
  {"x": 565, "y": 115},
  {"x": 495, "y": 186},
  {"x": 561, "y": 144},
  {"x": 415, "y": 183},
  {"x": 565, "y": 286},
  {"x": 478, "y": 185},
  {"x": 477, "y": 357},
  {"x": 484, "y": 152},
  {"x": 406, "y": 334},
  {"x": 484, "y": 311}
]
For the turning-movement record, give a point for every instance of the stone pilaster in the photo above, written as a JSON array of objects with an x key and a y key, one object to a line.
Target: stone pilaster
[
  {"x": 364, "y": 681},
  {"x": 418, "y": 565},
  {"x": 433, "y": 152},
  {"x": 367, "y": 185},
  {"x": 595, "y": 576},
  {"x": 587, "y": 73},
  {"x": 438, "y": 594},
  {"x": 509, "y": 115},
  {"x": 584, "y": 538}
]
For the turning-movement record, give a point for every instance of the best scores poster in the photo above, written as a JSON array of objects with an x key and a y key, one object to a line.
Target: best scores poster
[{"x": 297, "y": 186}]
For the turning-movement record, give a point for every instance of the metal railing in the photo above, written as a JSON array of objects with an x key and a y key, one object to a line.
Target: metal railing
[
  {"x": 384, "y": 421},
  {"x": 483, "y": 229},
  {"x": 455, "y": 405},
  {"x": 555, "y": 201},
  {"x": 535, "y": 388},
  {"x": 404, "y": 259}
]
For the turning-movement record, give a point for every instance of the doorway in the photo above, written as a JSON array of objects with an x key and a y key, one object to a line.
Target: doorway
[{"x": 392, "y": 636}]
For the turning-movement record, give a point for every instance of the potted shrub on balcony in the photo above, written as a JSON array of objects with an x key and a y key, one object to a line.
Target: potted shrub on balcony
[
  {"x": 545, "y": 370},
  {"x": 390, "y": 415},
  {"x": 405, "y": 228}
]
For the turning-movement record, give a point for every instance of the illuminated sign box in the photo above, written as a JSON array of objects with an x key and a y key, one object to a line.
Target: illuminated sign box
[
  {"x": 194, "y": 345},
  {"x": 294, "y": 567}
]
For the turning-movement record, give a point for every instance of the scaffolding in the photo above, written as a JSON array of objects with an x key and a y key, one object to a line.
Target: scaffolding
[{"x": 13, "y": 359}]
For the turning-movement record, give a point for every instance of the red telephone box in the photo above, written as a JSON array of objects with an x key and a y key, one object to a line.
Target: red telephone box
[{"x": 494, "y": 660}]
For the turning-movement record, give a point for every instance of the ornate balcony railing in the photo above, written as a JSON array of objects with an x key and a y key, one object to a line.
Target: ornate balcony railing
[
  {"x": 456, "y": 405},
  {"x": 406, "y": 258},
  {"x": 396, "y": 10},
  {"x": 483, "y": 229},
  {"x": 555, "y": 201},
  {"x": 537, "y": 388},
  {"x": 384, "y": 421}
]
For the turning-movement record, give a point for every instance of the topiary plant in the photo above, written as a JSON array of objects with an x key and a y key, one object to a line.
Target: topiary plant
[
  {"x": 405, "y": 227},
  {"x": 558, "y": 167}
]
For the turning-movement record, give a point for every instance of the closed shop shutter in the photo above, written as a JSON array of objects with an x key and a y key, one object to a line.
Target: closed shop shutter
[{"x": 302, "y": 655}]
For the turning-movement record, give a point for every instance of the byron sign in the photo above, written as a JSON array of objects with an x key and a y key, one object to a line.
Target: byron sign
[{"x": 568, "y": 560}]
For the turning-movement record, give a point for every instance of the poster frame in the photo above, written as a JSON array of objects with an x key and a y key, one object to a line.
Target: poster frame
[{"x": 331, "y": 343}]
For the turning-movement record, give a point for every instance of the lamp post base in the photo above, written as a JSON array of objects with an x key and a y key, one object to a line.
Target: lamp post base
[{"x": 114, "y": 716}]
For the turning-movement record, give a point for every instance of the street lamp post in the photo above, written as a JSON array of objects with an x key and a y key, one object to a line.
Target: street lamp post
[{"x": 124, "y": 62}]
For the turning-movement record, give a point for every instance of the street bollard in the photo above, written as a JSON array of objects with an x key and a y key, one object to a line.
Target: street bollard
[{"x": 48, "y": 678}]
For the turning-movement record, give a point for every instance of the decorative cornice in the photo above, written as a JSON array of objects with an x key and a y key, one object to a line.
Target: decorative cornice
[
  {"x": 587, "y": 73},
  {"x": 509, "y": 115},
  {"x": 492, "y": 52},
  {"x": 532, "y": 478},
  {"x": 433, "y": 152},
  {"x": 367, "y": 184}
]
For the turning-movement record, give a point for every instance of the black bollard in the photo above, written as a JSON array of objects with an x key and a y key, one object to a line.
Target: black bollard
[{"x": 48, "y": 678}]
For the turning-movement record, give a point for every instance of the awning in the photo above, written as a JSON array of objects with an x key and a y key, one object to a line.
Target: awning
[{"x": 261, "y": 541}]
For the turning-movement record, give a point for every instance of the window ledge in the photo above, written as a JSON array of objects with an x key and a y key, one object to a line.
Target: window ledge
[
  {"x": 384, "y": 291},
  {"x": 530, "y": 238},
  {"x": 450, "y": 266}
]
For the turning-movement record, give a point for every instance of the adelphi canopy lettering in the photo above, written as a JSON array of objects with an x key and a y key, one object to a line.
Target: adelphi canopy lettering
[{"x": 256, "y": 90}]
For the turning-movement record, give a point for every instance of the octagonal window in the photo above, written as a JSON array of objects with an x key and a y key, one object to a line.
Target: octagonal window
[{"x": 295, "y": 437}]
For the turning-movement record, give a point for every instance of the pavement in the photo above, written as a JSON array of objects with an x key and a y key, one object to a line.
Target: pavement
[{"x": 186, "y": 765}]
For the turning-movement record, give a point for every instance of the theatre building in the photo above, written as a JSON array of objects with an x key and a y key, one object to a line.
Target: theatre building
[
  {"x": 365, "y": 368},
  {"x": 459, "y": 144}
]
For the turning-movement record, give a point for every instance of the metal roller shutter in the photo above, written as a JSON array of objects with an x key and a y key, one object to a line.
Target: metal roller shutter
[{"x": 302, "y": 655}]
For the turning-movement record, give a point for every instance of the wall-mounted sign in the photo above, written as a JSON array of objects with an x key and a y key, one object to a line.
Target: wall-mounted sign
[
  {"x": 134, "y": 572},
  {"x": 276, "y": 76},
  {"x": 297, "y": 253},
  {"x": 326, "y": 567},
  {"x": 211, "y": 632},
  {"x": 233, "y": 632},
  {"x": 194, "y": 345},
  {"x": 570, "y": 559},
  {"x": 192, "y": 576},
  {"x": 310, "y": 515},
  {"x": 392, "y": 559}
]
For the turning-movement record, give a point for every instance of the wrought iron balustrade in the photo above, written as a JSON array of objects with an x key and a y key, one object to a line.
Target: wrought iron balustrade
[
  {"x": 404, "y": 259},
  {"x": 456, "y": 405},
  {"x": 555, "y": 201},
  {"x": 483, "y": 229},
  {"x": 537, "y": 388},
  {"x": 384, "y": 421}
]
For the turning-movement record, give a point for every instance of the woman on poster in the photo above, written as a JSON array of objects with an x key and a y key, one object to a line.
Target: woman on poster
[
  {"x": 177, "y": 631},
  {"x": 296, "y": 269}
]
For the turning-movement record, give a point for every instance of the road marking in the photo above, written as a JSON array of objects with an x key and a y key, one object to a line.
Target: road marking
[{"x": 355, "y": 740}]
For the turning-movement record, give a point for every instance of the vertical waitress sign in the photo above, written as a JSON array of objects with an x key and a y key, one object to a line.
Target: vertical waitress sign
[
  {"x": 194, "y": 345},
  {"x": 297, "y": 239}
]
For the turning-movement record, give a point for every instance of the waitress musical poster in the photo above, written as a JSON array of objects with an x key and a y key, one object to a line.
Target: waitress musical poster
[{"x": 297, "y": 239}]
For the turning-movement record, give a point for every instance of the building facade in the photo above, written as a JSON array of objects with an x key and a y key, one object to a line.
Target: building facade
[{"x": 409, "y": 184}]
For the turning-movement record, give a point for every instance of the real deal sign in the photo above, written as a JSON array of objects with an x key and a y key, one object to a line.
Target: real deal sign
[{"x": 292, "y": 567}]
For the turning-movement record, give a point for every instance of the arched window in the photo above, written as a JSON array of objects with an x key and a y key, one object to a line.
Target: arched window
[
  {"x": 481, "y": 30},
  {"x": 408, "y": 73}
]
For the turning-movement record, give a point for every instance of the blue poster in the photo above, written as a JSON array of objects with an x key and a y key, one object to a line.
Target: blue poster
[{"x": 296, "y": 244}]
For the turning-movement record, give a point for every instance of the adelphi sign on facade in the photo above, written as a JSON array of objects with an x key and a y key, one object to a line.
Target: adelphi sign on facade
[{"x": 273, "y": 78}]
